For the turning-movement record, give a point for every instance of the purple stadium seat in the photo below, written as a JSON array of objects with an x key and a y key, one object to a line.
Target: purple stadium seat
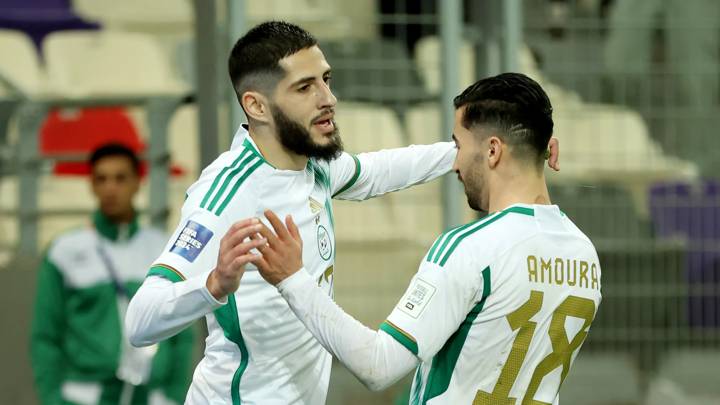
[
  {"x": 37, "y": 18},
  {"x": 692, "y": 211}
]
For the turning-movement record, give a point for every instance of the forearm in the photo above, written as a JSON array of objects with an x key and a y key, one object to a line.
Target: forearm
[
  {"x": 374, "y": 357},
  {"x": 395, "y": 169},
  {"x": 160, "y": 309}
]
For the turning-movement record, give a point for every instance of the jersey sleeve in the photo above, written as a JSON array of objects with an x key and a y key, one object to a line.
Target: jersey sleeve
[
  {"x": 194, "y": 245},
  {"x": 435, "y": 304},
  {"x": 366, "y": 175}
]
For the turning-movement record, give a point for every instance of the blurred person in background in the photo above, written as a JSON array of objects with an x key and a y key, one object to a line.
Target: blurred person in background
[
  {"x": 80, "y": 354},
  {"x": 288, "y": 158},
  {"x": 499, "y": 307}
]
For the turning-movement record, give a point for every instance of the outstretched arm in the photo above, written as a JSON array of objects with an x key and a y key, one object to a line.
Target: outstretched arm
[
  {"x": 374, "y": 357},
  {"x": 367, "y": 175}
]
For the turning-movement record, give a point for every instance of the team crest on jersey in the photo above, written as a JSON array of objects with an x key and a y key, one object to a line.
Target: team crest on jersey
[
  {"x": 191, "y": 241},
  {"x": 417, "y": 298},
  {"x": 324, "y": 243}
]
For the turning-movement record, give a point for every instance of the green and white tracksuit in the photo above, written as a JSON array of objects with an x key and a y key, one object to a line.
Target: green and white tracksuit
[{"x": 76, "y": 331}]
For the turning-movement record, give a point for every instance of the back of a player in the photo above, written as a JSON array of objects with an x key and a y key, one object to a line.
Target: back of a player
[
  {"x": 545, "y": 291},
  {"x": 500, "y": 309}
]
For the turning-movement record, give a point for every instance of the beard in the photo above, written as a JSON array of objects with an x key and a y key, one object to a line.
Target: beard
[
  {"x": 473, "y": 183},
  {"x": 297, "y": 139}
]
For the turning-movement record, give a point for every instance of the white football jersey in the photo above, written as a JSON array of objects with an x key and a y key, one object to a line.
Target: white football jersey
[
  {"x": 257, "y": 351},
  {"x": 499, "y": 309}
]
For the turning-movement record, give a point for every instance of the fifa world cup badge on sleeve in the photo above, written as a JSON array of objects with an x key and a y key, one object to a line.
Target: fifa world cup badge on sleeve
[{"x": 191, "y": 241}]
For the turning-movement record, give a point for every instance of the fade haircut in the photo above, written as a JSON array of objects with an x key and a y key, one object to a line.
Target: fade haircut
[
  {"x": 253, "y": 62},
  {"x": 516, "y": 107},
  {"x": 115, "y": 149}
]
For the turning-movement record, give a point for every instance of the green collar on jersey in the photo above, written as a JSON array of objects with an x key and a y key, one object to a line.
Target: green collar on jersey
[
  {"x": 247, "y": 143},
  {"x": 113, "y": 231}
]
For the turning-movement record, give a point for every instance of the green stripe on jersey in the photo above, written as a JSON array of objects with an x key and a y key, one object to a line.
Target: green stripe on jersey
[
  {"x": 237, "y": 185},
  {"x": 402, "y": 337},
  {"x": 444, "y": 362},
  {"x": 219, "y": 176},
  {"x": 233, "y": 173},
  {"x": 353, "y": 179},
  {"x": 167, "y": 272},
  {"x": 227, "y": 317},
  {"x": 321, "y": 177},
  {"x": 248, "y": 145},
  {"x": 444, "y": 239},
  {"x": 445, "y": 252}
]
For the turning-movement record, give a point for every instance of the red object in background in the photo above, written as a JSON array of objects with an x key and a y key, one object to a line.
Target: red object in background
[{"x": 80, "y": 131}]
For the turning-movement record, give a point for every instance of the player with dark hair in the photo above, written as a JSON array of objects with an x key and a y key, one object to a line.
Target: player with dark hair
[
  {"x": 499, "y": 307},
  {"x": 80, "y": 354},
  {"x": 288, "y": 159}
]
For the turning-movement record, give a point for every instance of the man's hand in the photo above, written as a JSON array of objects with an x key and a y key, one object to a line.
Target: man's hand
[
  {"x": 233, "y": 255},
  {"x": 554, "y": 158},
  {"x": 282, "y": 255}
]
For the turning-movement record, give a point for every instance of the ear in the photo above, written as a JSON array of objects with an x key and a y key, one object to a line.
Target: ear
[
  {"x": 495, "y": 151},
  {"x": 256, "y": 106}
]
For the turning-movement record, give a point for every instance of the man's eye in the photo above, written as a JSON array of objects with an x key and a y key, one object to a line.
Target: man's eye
[{"x": 304, "y": 88}]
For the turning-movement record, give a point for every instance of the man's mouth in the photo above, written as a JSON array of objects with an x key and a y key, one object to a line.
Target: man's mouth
[{"x": 325, "y": 123}]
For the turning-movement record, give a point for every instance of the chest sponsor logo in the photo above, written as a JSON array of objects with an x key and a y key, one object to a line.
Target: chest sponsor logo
[
  {"x": 191, "y": 241},
  {"x": 324, "y": 243},
  {"x": 417, "y": 298}
]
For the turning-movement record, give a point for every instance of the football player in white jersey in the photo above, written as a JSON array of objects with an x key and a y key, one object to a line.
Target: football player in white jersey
[
  {"x": 290, "y": 160},
  {"x": 499, "y": 307}
]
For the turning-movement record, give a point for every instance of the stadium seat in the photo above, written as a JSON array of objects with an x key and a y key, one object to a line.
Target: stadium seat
[
  {"x": 373, "y": 70},
  {"x": 20, "y": 65},
  {"x": 108, "y": 63},
  {"x": 428, "y": 62},
  {"x": 686, "y": 377},
  {"x": 364, "y": 128},
  {"x": 38, "y": 18},
  {"x": 602, "y": 379},
  {"x": 691, "y": 211},
  {"x": 162, "y": 14}
]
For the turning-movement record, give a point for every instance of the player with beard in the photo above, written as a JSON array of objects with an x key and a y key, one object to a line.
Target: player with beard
[
  {"x": 499, "y": 307},
  {"x": 288, "y": 159}
]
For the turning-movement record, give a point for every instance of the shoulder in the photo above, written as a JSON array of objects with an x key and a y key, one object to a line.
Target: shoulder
[
  {"x": 233, "y": 173},
  {"x": 152, "y": 236},
  {"x": 479, "y": 238},
  {"x": 71, "y": 247}
]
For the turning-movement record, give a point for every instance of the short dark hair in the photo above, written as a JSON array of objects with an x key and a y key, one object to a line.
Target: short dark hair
[
  {"x": 253, "y": 62},
  {"x": 114, "y": 149},
  {"x": 516, "y": 106}
]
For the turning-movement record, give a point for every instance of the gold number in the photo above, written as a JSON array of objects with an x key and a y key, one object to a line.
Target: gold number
[{"x": 562, "y": 348}]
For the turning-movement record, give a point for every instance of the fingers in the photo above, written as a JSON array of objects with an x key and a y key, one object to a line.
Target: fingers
[
  {"x": 277, "y": 225},
  {"x": 272, "y": 239},
  {"x": 293, "y": 229},
  {"x": 239, "y": 231}
]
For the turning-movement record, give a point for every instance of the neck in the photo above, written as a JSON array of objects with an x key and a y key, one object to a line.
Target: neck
[
  {"x": 116, "y": 227},
  {"x": 518, "y": 186},
  {"x": 274, "y": 152}
]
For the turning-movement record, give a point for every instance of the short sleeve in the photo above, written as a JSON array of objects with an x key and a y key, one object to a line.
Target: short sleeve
[{"x": 437, "y": 301}]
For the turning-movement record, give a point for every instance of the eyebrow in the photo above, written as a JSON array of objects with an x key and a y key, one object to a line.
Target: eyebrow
[{"x": 309, "y": 79}]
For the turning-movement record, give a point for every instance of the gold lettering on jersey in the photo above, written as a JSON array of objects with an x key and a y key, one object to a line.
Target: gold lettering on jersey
[
  {"x": 563, "y": 271},
  {"x": 545, "y": 266}
]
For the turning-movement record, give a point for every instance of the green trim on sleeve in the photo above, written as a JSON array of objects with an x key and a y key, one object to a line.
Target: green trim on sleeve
[
  {"x": 166, "y": 271},
  {"x": 353, "y": 179},
  {"x": 401, "y": 336},
  {"x": 444, "y": 362},
  {"x": 227, "y": 317}
]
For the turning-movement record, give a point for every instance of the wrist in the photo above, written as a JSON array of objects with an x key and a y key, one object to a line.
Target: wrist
[{"x": 214, "y": 286}]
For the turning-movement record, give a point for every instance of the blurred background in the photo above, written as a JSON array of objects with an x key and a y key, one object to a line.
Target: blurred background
[{"x": 634, "y": 85}]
